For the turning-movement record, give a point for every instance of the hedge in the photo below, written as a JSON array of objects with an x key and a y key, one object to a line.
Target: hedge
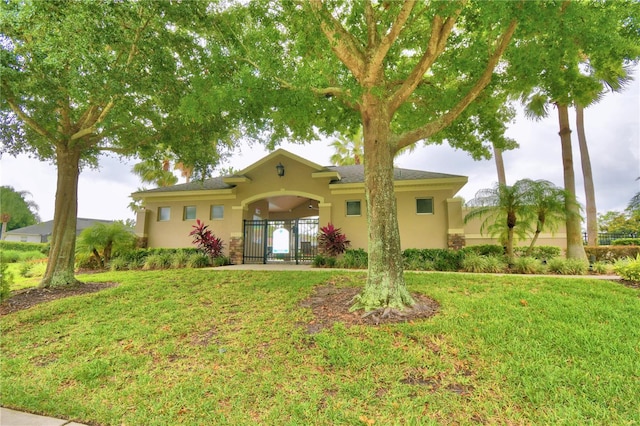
[{"x": 611, "y": 253}]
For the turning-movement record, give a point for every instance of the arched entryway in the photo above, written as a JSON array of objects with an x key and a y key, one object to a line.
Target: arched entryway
[{"x": 281, "y": 229}]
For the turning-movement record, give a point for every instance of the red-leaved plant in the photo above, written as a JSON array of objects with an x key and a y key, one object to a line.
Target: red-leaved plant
[
  {"x": 332, "y": 241},
  {"x": 205, "y": 240}
]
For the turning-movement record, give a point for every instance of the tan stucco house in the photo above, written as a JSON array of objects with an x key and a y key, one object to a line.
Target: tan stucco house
[{"x": 272, "y": 210}]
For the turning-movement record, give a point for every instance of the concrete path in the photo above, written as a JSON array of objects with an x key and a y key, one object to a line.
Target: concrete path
[{"x": 10, "y": 417}]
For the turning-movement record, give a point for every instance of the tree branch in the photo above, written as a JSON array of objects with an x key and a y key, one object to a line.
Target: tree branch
[
  {"x": 443, "y": 121},
  {"x": 391, "y": 37},
  {"x": 437, "y": 42},
  {"x": 343, "y": 44},
  {"x": 27, "y": 119}
]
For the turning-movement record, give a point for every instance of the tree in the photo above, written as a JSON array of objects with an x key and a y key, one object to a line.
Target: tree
[
  {"x": 101, "y": 240},
  {"x": 348, "y": 150},
  {"x": 22, "y": 212},
  {"x": 608, "y": 40},
  {"x": 155, "y": 172},
  {"x": 505, "y": 211},
  {"x": 548, "y": 204},
  {"x": 79, "y": 78},
  {"x": 404, "y": 71}
]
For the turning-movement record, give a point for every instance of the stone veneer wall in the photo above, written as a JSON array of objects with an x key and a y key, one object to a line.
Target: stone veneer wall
[
  {"x": 236, "y": 250},
  {"x": 456, "y": 241}
]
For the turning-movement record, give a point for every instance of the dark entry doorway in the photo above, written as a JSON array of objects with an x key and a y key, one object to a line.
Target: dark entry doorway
[{"x": 280, "y": 241}]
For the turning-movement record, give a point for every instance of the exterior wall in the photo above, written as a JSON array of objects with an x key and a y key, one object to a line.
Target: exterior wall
[
  {"x": 24, "y": 238},
  {"x": 174, "y": 233},
  {"x": 474, "y": 237},
  {"x": 353, "y": 227},
  {"x": 423, "y": 230}
]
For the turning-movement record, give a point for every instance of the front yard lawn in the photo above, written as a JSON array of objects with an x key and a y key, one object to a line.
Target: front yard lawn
[{"x": 203, "y": 347}]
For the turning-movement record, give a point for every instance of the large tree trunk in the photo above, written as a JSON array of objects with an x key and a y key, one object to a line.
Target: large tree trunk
[
  {"x": 385, "y": 287},
  {"x": 497, "y": 154},
  {"x": 575, "y": 248},
  {"x": 60, "y": 266},
  {"x": 589, "y": 190}
]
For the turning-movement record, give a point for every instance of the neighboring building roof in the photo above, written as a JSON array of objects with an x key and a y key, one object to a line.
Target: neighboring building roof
[{"x": 46, "y": 228}]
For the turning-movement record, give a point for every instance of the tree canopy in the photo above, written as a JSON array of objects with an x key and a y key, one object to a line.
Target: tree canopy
[
  {"x": 22, "y": 211},
  {"x": 407, "y": 72},
  {"x": 83, "y": 77}
]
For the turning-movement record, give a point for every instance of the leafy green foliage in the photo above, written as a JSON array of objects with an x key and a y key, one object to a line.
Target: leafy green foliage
[
  {"x": 539, "y": 252},
  {"x": 102, "y": 240},
  {"x": 332, "y": 241},
  {"x": 610, "y": 254},
  {"x": 626, "y": 242},
  {"x": 628, "y": 268},
  {"x": 22, "y": 212},
  {"x": 18, "y": 246},
  {"x": 527, "y": 265},
  {"x": 485, "y": 249},
  {"x": 206, "y": 241},
  {"x": 6, "y": 279},
  {"x": 568, "y": 266},
  {"x": 354, "y": 259}
]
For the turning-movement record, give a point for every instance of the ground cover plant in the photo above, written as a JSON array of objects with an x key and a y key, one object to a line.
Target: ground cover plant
[{"x": 241, "y": 347}]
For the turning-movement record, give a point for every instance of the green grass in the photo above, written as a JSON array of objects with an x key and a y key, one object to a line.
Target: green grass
[{"x": 204, "y": 347}]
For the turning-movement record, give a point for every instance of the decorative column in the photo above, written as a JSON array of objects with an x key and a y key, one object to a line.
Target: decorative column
[{"x": 455, "y": 224}]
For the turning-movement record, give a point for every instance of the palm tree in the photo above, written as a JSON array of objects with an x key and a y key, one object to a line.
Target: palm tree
[
  {"x": 348, "y": 150},
  {"x": 155, "y": 172},
  {"x": 547, "y": 202},
  {"x": 614, "y": 79},
  {"x": 505, "y": 212},
  {"x": 106, "y": 238}
]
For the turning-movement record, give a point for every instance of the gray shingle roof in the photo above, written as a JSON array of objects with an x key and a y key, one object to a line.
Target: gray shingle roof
[
  {"x": 45, "y": 228},
  {"x": 355, "y": 174},
  {"x": 348, "y": 174}
]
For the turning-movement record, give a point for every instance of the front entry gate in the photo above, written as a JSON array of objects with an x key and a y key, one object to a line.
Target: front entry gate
[{"x": 280, "y": 241}]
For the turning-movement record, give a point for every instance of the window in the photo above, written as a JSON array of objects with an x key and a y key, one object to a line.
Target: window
[
  {"x": 353, "y": 208},
  {"x": 424, "y": 205},
  {"x": 217, "y": 212},
  {"x": 189, "y": 213},
  {"x": 164, "y": 214}
]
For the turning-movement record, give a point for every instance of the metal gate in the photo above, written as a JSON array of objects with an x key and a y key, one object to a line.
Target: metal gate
[{"x": 280, "y": 241}]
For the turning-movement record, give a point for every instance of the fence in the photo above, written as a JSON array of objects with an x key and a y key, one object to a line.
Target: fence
[{"x": 605, "y": 238}]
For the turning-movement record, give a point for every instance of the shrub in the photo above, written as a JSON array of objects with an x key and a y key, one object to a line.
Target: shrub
[
  {"x": 496, "y": 264},
  {"x": 611, "y": 253},
  {"x": 527, "y": 265},
  {"x": 474, "y": 262},
  {"x": 626, "y": 242},
  {"x": 319, "y": 261},
  {"x": 18, "y": 246},
  {"x": 602, "y": 268},
  {"x": 179, "y": 259},
  {"x": 221, "y": 261},
  {"x": 355, "y": 259},
  {"x": 568, "y": 266},
  {"x": 198, "y": 260},
  {"x": 6, "y": 279},
  {"x": 628, "y": 268},
  {"x": 539, "y": 252},
  {"x": 486, "y": 249},
  {"x": 434, "y": 259},
  {"x": 9, "y": 256},
  {"x": 204, "y": 239},
  {"x": 158, "y": 261},
  {"x": 332, "y": 241},
  {"x": 119, "y": 264}
]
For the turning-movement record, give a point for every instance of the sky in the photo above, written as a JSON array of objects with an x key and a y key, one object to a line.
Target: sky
[{"x": 612, "y": 131}]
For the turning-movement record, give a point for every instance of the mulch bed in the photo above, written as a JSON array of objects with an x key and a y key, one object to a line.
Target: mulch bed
[
  {"x": 331, "y": 304},
  {"x": 24, "y": 299}
]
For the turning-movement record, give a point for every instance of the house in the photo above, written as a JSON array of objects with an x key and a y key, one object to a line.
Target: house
[
  {"x": 272, "y": 210},
  {"x": 41, "y": 232}
]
